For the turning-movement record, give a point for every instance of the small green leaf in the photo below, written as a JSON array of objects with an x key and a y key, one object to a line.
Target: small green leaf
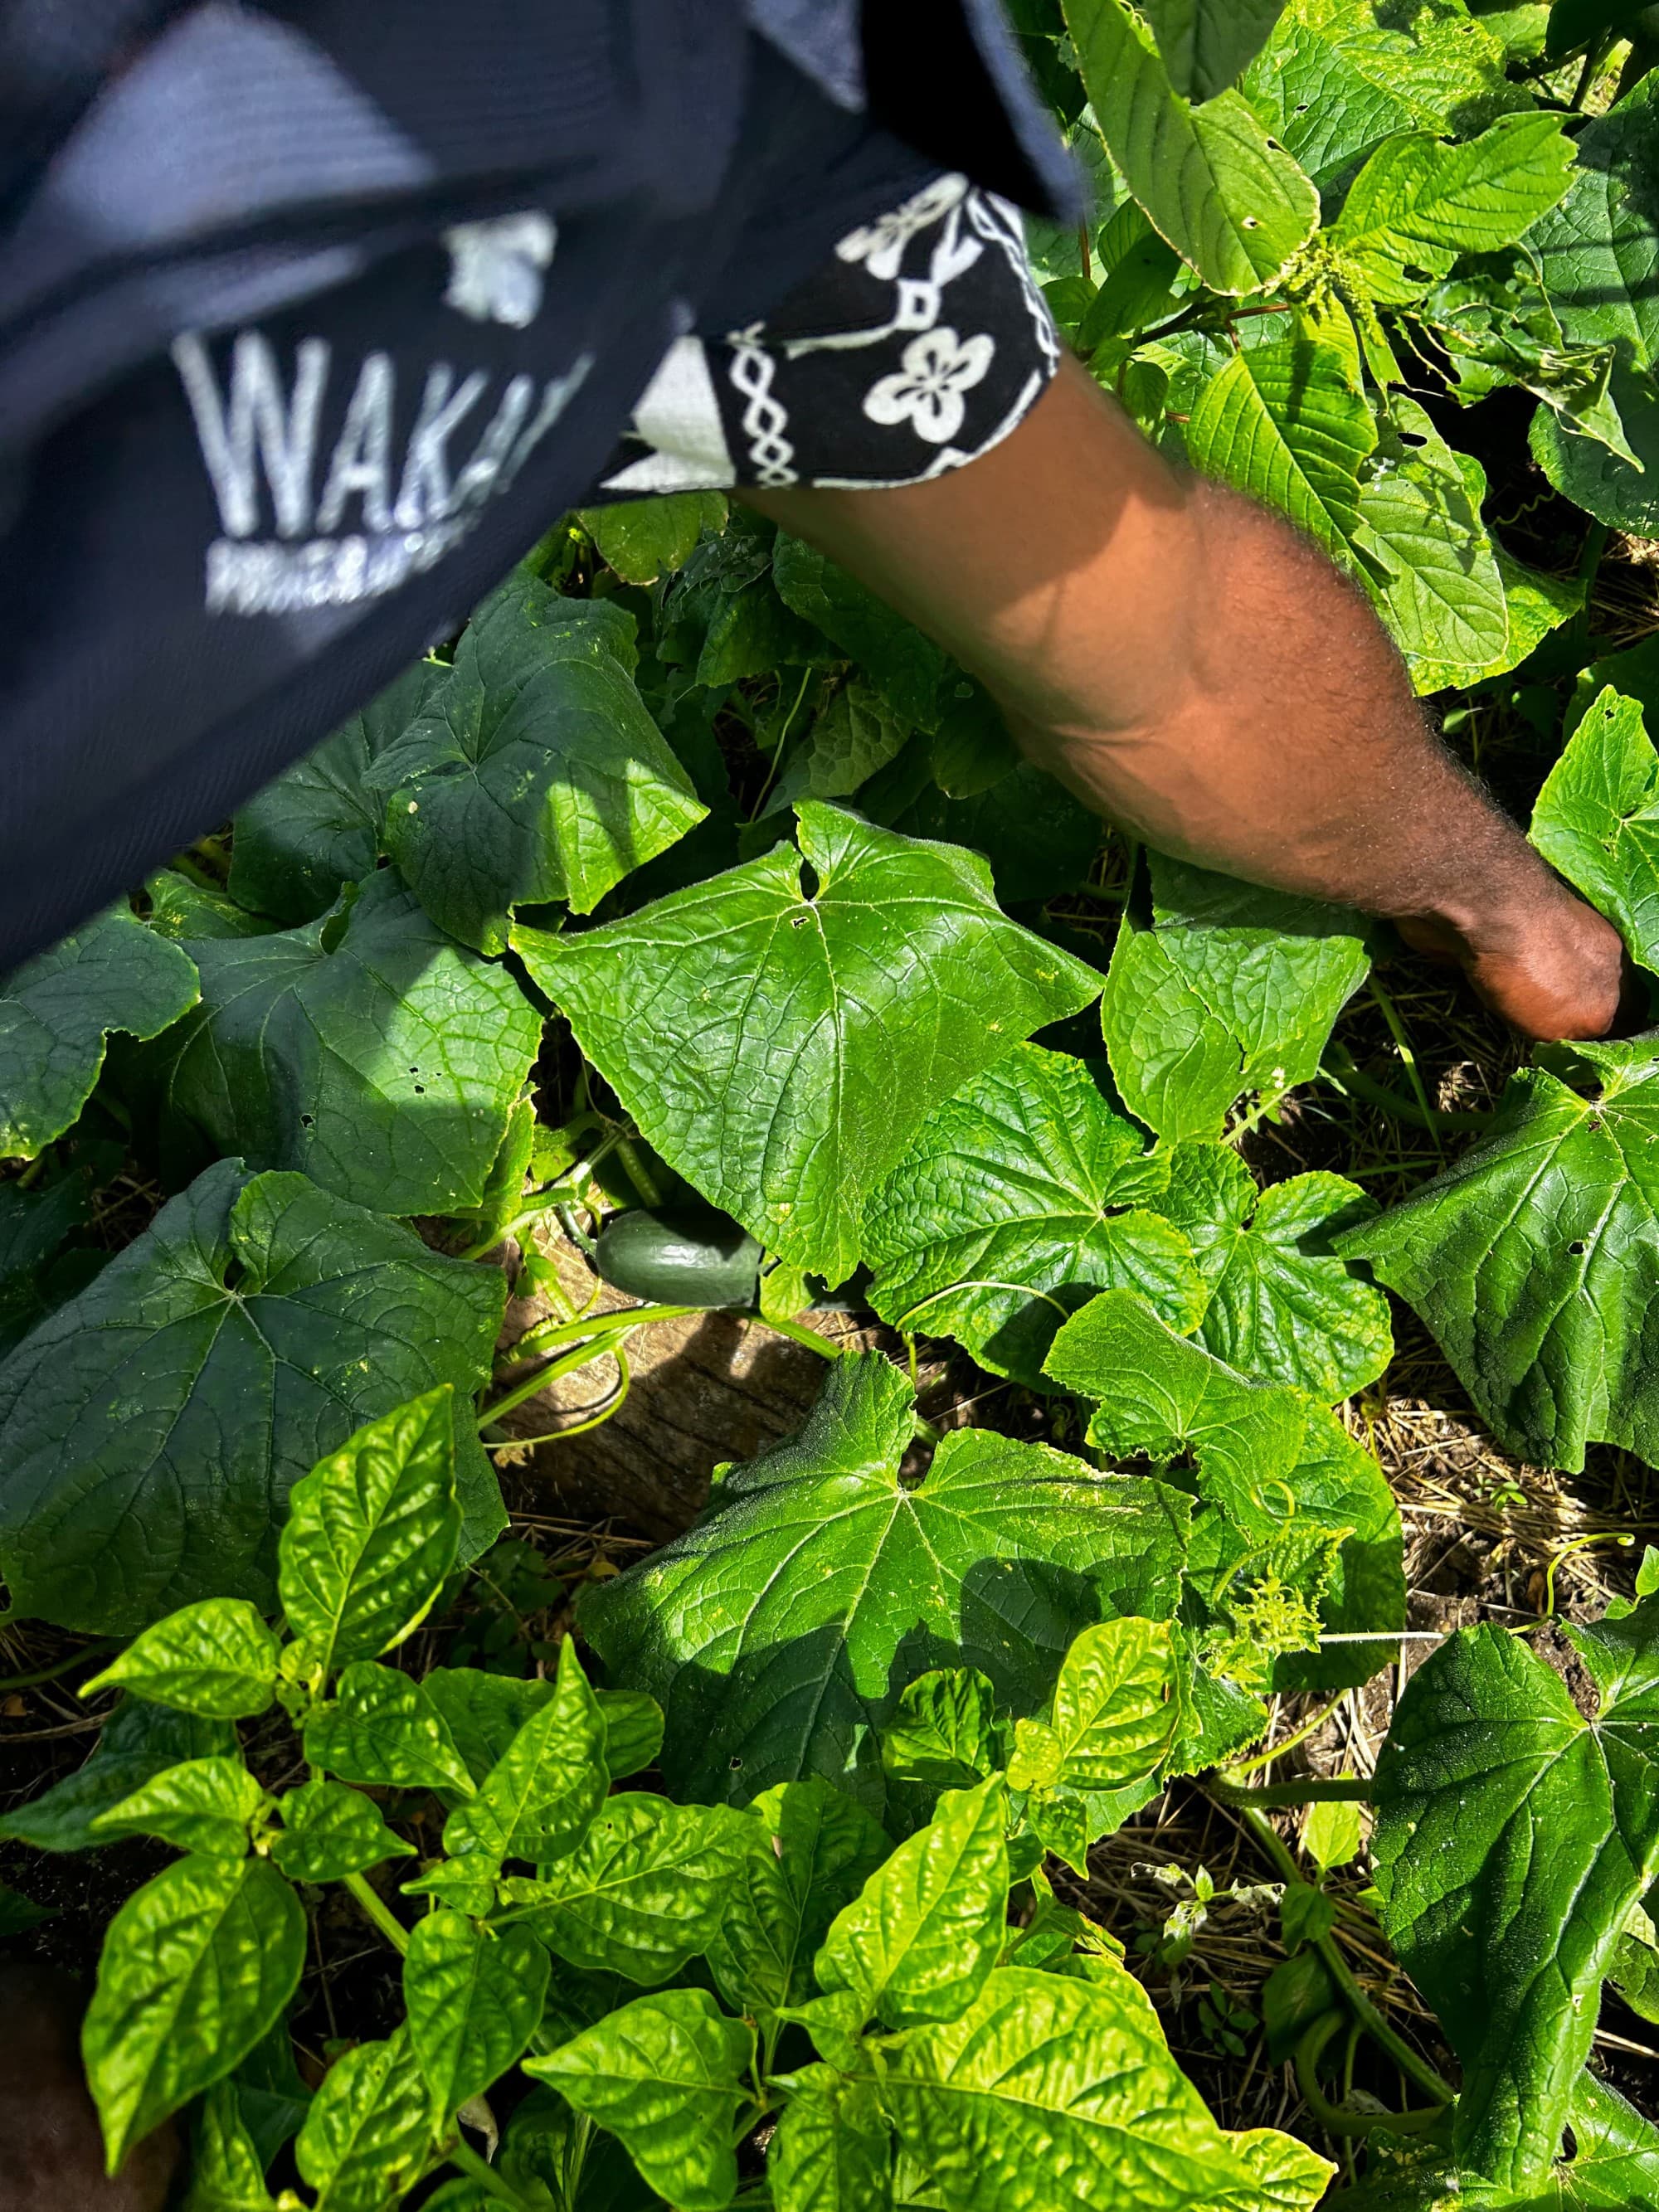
[
  {"x": 58, "y": 1010},
  {"x": 1305, "y": 1914},
  {"x": 1597, "y": 819},
  {"x": 538, "y": 1799},
  {"x": 196, "y": 1966},
  {"x": 33, "y": 1226},
  {"x": 666, "y": 2074},
  {"x": 483, "y": 1712},
  {"x": 1288, "y": 425},
  {"x": 944, "y": 1733},
  {"x": 1441, "y": 593},
  {"x": 329, "y": 1832},
  {"x": 1206, "y": 43},
  {"x": 820, "y": 1022},
  {"x": 382, "y": 1729},
  {"x": 1331, "y": 1834},
  {"x": 136, "y": 1742},
  {"x": 919, "y": 1940},
  {"x": 217, "y": 1658},
  {"x": 205, "y": 1805},
  {"x": 633, "y": 1731},
  {"x": 644, "y": 538},
  {"x": 1233, "y": 205},
  {"x": 816, "y": 1848},
  {"x": 645, "y": 1890},
  {"x": 854, "y": 735},
  {"x": 368, "y": 2130},
  {"x": 905, "y": 666},
  {"x": 1114, "y": 1712},
  {"x": 833, "y": 2151},
  {"x": 474, "y": 1996},
  {"x": 371, "y": 1533},
  {"x": 19, "y": 1913},
  {"x": 1019, "y": 1199},
  {"x": 226, "y": 2171}
]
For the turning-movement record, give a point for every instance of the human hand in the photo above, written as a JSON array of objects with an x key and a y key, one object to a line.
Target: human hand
[{"x": 1557, "y": 969}]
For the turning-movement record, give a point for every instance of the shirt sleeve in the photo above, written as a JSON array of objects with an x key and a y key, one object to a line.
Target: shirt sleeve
[{"x": 917, "y": 345}]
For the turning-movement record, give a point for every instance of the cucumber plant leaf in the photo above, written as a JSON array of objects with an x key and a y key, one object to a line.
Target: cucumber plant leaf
[
  {"x": 57, "y": 1012},
  {"x": 1232, "y": 989},
  {"x": 32, "y": 1226},
  {"x": 1235, "y": 207},
  {"x": 1287, "y": 424},
  {"x": 1206, "y": 44},
  {"x": 1534, "y": 1261},
  {"x": 196, "y": 1966},
  {"x": 475, "y": 1998},
  {"x": 781, "y": 1050},
  {"x": 151, "y": 1426},
  {"x": 367, "y": 1049},
  {"x": 994, "y": 1560},
  {"x": 1020, "y": 1199},
  {"x": 318, "y": 827},
  {"x": 1517, "y": 1821},
  {"x": 1280, "y": 1303},
  {"x": 1597, "y": 819},
  {"x": 907, "y": 668},
  {"x": 533, "y": 774},
  {"x": 644, "y": 538},
  {"x": 1044, "y": 2072}
]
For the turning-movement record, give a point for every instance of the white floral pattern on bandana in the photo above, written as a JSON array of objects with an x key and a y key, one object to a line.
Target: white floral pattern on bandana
[{"x": 918, "y": 345}]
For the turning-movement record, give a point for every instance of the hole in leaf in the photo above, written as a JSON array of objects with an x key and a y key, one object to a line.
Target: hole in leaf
[
  {"x": 420, "y": 1090},
  {"x": 1301, "y": 107},
  {"x": 1250, "y": 223},
  {"x": 734, "y": 1764},
  {"x": 234, "y": 1274},
  {"x": 1578, "y": 1247},
  {"x": 308, "y": 1121}
]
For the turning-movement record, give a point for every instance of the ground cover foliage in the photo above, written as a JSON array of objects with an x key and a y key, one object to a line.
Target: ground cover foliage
[{"x": 690, "y": 888}]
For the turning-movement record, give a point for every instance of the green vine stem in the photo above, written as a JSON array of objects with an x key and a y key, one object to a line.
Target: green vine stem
[
  {"x": 374, "y": 1908},
  {"x": 1238, "y": 1769},
  {"x": 1339, "y": 1069},
  {"x": 1415, "y": 2068},
  {"x": 467, "y": 2161},
  {"x": 1314, "y": 1790},
  {"x": 1402, "y": 1045},
  {"x": 1342, "y": 2119},
  {"x": 60, "y": 1666},
  {"x": 797, "y": 1332}
]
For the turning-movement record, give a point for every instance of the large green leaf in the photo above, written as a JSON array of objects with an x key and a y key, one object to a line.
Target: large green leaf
[
  {"x": 645, "y": 1889},
  {"x": 1050, "y": 2092},
  {"x": 217, "y": 1658},
  {"x": 1281, "y": 1304},
  {"x": 1327, "y": 87},
  {"x": 371, "y": 1533},
  {"x": 537, "y": 1800},
  {"x": 1535, "y": 604},
  {"x": 1441, "y": 595},
  {"x": 1232, "y": 989},
  {"x": 1597, "y": 819},
  {"x": 316, "y": 826},
  {"x": 1009, "y": 1211},
  {"x": 778, "y": 1631},
  {"x": 1206, "y": 44},
  {"x": 151, "y": 1429},
  {"x": 817, "y": 1847},
  {"x": 1418, "y": 204},
  {"x": 366, "y": 1048},
  {"x": 1535, "y": 1260},
  {"x": 368, "y": 2129},
  {"x": 535, "y": 772},
  {"x": 196, "y": 1966},
  {"x": 1517, "y": 1823},
  {"x": 204, "y": 1805},
  {"x": 32, "y": 1226},
  {"x": 919, "y": 1940},
  {"x": 1234, "y": 206},
  {"x": 136, "y": 1742},
  {"x": 666, "y": 2074},
  {"x": 474, "y": 1996},
  {"x": 57, "y": 1013},
  {"x": 781, "y": 1049},
  {"x": 644, "y": 538},
  {"x": 1287, "y": 424}
]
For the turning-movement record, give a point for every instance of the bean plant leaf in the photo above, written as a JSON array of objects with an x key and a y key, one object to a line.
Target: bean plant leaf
[
  {"x": 1232, "y": 205},
  {"x": 1047, "y": 2075},
  {"x": 483, "y": 1712},
  {"x": 994, "y": 1560},
  {"x": 371, "y": 1533},
  {"x": 781, "y": 1050},
  {"x": 474, "y": 1996},
  {"x": 1533, "y": 1261},
  {"x": 919, "y": 1940},
  {"x": 1232, "y": 989},
  {"x": 226, "y": 2173},
  {"x": 945, "y": 1732},
  {"x": 1281, "y": 1304},
  {"x": 205, "y": 1805},
  {"x": 366, "y": 1048},
  {"x": 136, "y": 1742},
  {"x": 644, "y": 1891},
  {"x": 151, "y": 1429},
  {"x": 534, "y": 773},
  {"x": 644, "y": 538},
  {"x": 666, "y": 2074},
  {"x": 1517, "y": 1821},
  {"x": 833, "y": 2151},
  {"x": 217, "y": 1658},
  {"x": 196, "y": 1966},
  {"x": 1020, "y": 1199},
  {"x": 907, "y": 668},
  {"x": 329, "y": 1832},
  {"x": 1287, "y": 424},
  {"x": 816, "y": 1847},
  {"x": 57, "y": 1013},
  {"x": 380, "y": 1728},
  {"x": 1113, "y": 1716},
  {"x": 1206, "y": 44},
  {"x": 318, "y": 827},
  {"x": 368, "y": 2129},
  {"x": 537, "y": 1800},
  {"x": 1597, "y": 819}
]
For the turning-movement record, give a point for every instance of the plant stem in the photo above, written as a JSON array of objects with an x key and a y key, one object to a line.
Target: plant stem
[
  {"x": 1593, "y": 58},
  {"x": 1237, "y": 1772},
  {"x": 479, "y": 2170},
  {"x": 1339, "y": 2119},
  {"x": 1338, "y": 1068},
  {"x": 1403, "y": 1046},
  {"x": 1416, "y": 2068},
  {"x": 636, "y": 1171},
  {"x": 1313, "y": 1789},
  {"x": 372, "y": 1908},
  {"x": 795, "y": 1330},
  {"x": 60, "y": 1666}
]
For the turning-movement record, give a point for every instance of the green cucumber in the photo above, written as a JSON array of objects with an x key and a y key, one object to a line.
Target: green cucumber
[{"x": 682, "y": 1255}]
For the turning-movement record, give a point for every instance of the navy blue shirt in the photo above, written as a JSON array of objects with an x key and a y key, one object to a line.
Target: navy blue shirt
[{"x": 313, "y": 317}]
